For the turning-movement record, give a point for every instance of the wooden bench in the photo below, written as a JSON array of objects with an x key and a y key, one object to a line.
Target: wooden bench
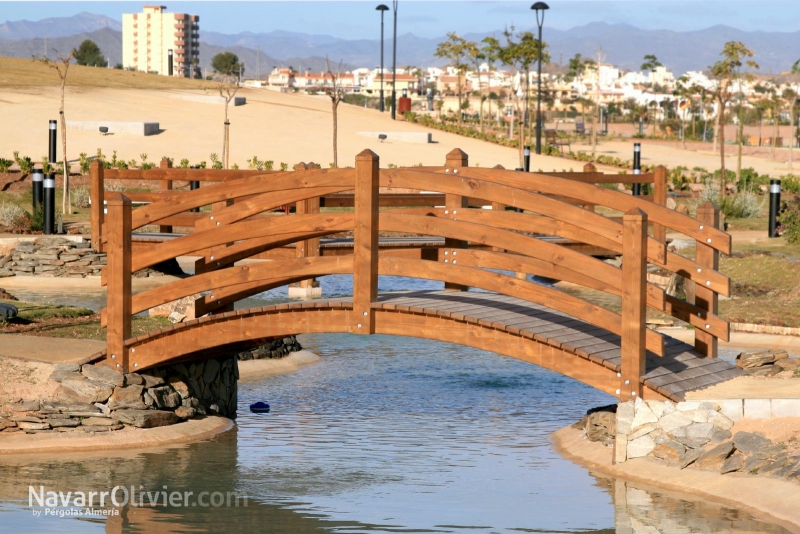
[
  {"x": 580, "y": 129},
  {"x": 553, "y": 139}
]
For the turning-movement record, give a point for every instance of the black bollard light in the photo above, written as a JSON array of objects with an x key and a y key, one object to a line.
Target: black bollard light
[
  {"x": 527, "y": 158},
  {"x": 637, "y": 167},
  {"x": 169, "y": 62},
  {"x": 49, "y": 204},
  {"x": 53, "y": 134},
  {"x": 38, "y": 185},
  {"x": 774, "y": 206}
]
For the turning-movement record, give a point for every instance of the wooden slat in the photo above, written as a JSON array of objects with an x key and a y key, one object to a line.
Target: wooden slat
[
  {"x": 705, "y": 342},
  {"x": 97, "y": 192}
]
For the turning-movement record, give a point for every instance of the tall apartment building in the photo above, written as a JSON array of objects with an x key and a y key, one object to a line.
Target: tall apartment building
[{"x": 148, "y": 38}]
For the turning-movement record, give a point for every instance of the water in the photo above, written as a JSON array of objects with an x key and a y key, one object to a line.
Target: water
[{"x": 385, "y": 434}]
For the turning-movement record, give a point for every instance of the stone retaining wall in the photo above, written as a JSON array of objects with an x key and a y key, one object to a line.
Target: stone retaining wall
[
  {"x": 96, "y": 398},
  {"x": 277, "y": 348}
]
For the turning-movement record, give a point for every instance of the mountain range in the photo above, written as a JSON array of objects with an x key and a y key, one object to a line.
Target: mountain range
[{"x": 622, "y": 45}]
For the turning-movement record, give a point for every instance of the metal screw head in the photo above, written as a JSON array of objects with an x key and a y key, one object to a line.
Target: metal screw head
[
  {"x": 708, "y": 240},
  {"x": 446, "y": 253},
  {"x": 699, "y": 270},
  {"x": 219, "y": 302},
  {"x": 708, "y": 282},
  {"x": 633, "y": 393},
  {"x": 359, "y": 325},
  {"x": 446, "y": 261},
  {"x": 211, "y": 297},
  {"x": 455, "y": 252},
  {"x": 454, "y": 262},
  {"x": 619, "y": 375},
  {"x": 708, "y": 326},
  {"x": 211, "y": 218},
  {"x": 133, "y": 350},
  {"x": 218, "y": 264},
  {"x": 136, "y": 365},
  {"x": 212, "y": 258},
  {"x": 455, "y": 171},
  {"x": 701, "y": 226},
  {"x": 365, "y": 314},
  {"x": 454, "y": 212},
  {"x": 447, "y": 170},
  {"x": 617, "y": 392},
  {"x": 446, "y": 212},
  {"x": 217, "y": 223},
  {"x": 117, "y": 365},
  {"x": 113, "y": 356}
]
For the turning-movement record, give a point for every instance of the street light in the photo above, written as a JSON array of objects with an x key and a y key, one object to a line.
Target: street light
[
  {"x": 382, "y": 8},
  {"x": 539, "y": 8},
  {"x": 394, "y": 62}
]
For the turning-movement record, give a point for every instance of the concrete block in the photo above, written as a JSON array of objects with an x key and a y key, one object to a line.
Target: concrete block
[
  {"x": 757, "y": 408},
  {"x": 620, "y": 448},
  {"x": 117, "y": 127},
  {"x": 625, "y": 413},
  {"x": 785, "y": 407},
  {"x": 209, "y": 99},
  {"x": 733, "y": 409},
  {"x": 402, "y": 137}
]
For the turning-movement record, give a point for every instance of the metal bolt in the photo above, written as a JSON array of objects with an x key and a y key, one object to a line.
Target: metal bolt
[
  {"x": 617, "y": 392},
  {"x": 117, "y": 365},
  {"x": 446, "y": 212},
  {"x": 708, "y": 240},
  {"x": 454, "y": 262},
  {"x": 455, "y": 171},
  {"x": 133, "y": 350},
  {"x": 211, "y": 297},
  {"x": 446, "y": 253},
  {"x": 701, "y": 226},
  {"x": 211, "y": 218},
  {"x": 218, "y": 264},
  {"x": 708, "y": 282},
  {"x": 619, "y": 375},
  {"x": 708, "y": 326},
  {"x": 136, "y": 365},
  {"x": 454, "y": 212},
  {"x": 700, "y": 315},
  {"x": 359, "y": 325},
  {"x": 212, "y": 258},
  {"x": 627, "y": 382},
  {"x": 633, "y": 393},
  {"x": 699, "y": 270},
  {"x": 446, "y": 261},
  {"x": 447, "y": 170},
  {"x": 113, "y": 356},
  {"x": 217, "y": 223},
  {"x": 219, "y": 302},
  {"x": 365, "y": 314},
  {"x": 455, "y": 252}
]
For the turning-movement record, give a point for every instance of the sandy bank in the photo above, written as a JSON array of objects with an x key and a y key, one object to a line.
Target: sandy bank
[
  {"x": 254, "y": 369},
  {"x": 771, "y": 499},
  {"x": 128, "y": 438}
]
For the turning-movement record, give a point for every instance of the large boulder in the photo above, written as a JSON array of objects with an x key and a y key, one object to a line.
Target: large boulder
[
  {"x": 145, "y": 418},
  {"x": 104, "y": 374},
  {"x": 165, "y": 397},
  {"x": 749, "y": 442},
  {"x": 83, "y": 391},
  {"x": 127, "y": 398}
]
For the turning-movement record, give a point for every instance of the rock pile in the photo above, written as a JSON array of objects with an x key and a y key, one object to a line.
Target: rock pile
[
  {"x": 768, "y": 363},
  {"x": 55, "y": 257},
  {"x": 600, "y": 424},
  {"x": 96, "y": 398},
  {"x": 277, "y": 348},
  {"x": 696, "y": 434}
]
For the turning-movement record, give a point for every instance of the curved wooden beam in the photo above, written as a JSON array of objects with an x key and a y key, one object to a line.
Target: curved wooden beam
[
  {"x": 179, "y": 341},
  {"x": 232, "y": 277},
  {"x": 593, "y": 194},
  {"x": 204, "y": 196},
  {"x": 587, "y": 221},
  {"x": 506, "y": 285},
  {"x": 277, "y": 228}
]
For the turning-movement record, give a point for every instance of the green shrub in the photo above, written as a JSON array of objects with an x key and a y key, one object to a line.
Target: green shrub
[
  {"x": 269, "y": 164},
  {"x": 5, "y": 164},
  {"x": 184, "y": 163},
  {"x": 789, "y": 219},
  {"x": 80, "y": 197},
  {"x": 25, "y": 163},
  {"x": 742, "y": 205},
  {"x": 84, "y": 162}
]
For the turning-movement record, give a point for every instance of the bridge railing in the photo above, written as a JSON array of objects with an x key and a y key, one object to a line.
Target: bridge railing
[{"x": 480, "y": 245}]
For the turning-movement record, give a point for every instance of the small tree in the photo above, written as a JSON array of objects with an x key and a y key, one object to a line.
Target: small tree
[
  {"x": 336, "y": 94},
  {"x": 790, "y": 95},
  {"x": 457, "y": 51},
  {"x": 728, "y": 71},
  {"x": 61, "y": 66},
  {"x": 89, "y": 54},
  {"x": 227, "y": 64}
]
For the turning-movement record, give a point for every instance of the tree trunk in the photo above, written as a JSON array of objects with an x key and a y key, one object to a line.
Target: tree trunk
[
  {"x": 334, "y": 105},
  {"x": 66, "y": 202},
  {"x": 722, "y": 176},
  {"x": 594, "y": 127},
  {"x": 225, "y": 134},
  {"x": 792, "y": 135},
  {"x": 774, "y": 134},
  {"x": 459, "y": 99},
  {"x": 739, "y": 156}
]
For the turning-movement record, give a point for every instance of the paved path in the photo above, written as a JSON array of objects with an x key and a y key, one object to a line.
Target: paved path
[{"x": 48, "y": 349}]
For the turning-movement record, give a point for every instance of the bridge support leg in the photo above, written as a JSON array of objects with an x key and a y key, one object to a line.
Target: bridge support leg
[
  {"x": 97, "y": 195},
  {"x": 704, "y": 342},
  {"x": 634, "y": 276},
  {"x": 456, "y": 159},
  {"x": 165, "y": 185},
  {"x": 365, "y": 242},
  {"x": 660, "y": 198},
  {"x": 119, "y": 281},
  {"x": 307, "y": 248}
]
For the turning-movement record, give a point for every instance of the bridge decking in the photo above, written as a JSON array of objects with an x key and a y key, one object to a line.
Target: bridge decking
[{"x": 680, "y": 370}]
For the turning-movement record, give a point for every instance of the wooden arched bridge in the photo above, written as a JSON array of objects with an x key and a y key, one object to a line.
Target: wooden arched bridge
[{"x": 534, "y": 224}]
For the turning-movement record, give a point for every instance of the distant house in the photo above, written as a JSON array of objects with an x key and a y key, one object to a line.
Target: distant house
[
  {"x": 151, "y": 38},
  {"x": 281, "y": 77}
]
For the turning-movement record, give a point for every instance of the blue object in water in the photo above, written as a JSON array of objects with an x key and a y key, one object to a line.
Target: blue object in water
[{"x": 259, "y": 407}]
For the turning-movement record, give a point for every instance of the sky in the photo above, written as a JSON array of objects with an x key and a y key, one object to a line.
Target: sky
[{"x": 359, "y": 20}]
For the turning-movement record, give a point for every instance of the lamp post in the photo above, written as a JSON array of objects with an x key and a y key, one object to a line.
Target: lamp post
[
  {"x": 382, "y": 8},
  {"x": 539, "y": 8},
  {"x": 394, "y": 62}
]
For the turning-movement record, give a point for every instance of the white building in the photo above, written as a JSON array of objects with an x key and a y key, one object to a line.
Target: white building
[{"x": 148, "y": 38}]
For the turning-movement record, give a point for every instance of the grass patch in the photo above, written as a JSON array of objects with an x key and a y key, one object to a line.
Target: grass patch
[
  {"x": 69, "y": 322},
  {"x": 19, "y": 72}
]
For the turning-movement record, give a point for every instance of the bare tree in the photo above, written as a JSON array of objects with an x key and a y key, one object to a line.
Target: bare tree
[
  {"x": 336, "y": 94},
  {"x": 227, "y": 87},
  {"x": 61, "y": 66}
]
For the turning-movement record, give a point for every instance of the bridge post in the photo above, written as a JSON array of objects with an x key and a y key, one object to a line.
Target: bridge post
[
  {"x": 308, "y": 247},
  {"x": 97, "y": 193},
  {"x": 660, "y": 198},
  {"x": 119, "y": 281},
  {"x": 365, "y": 242},
  {"x": 165, "y": 185},
  {"x": 455, "y": 160},
  {"x": 704, "y": 342},
  {"x": 589, "y": 168},
  {"x": 634, "y": 301}
]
